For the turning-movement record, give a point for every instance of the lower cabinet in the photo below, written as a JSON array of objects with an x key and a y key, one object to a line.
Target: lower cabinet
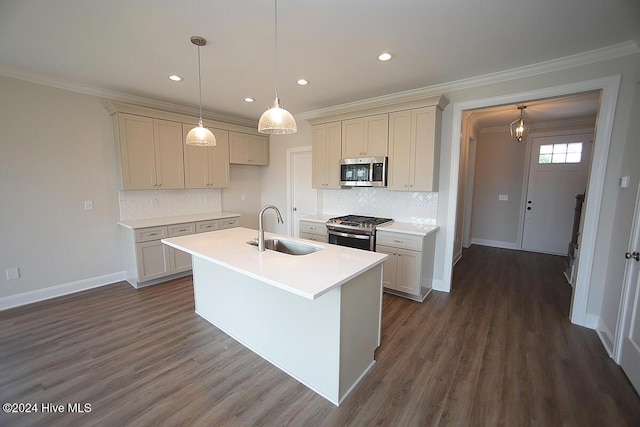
[
  {"x": 150, "y": 261},
  {"x": 312, "y": 230},
  {"x": 408, "y": 271}
]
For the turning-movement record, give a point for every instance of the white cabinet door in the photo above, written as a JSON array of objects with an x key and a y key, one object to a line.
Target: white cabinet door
[
  {"x": 389, "y": 270},
  {"x": 207, "y": 167},
  {"x": 179, "y": 261},
  {"x": 408, "y": 271},
  {"x": 136, "y": 148},
  {"x": 365, "y": 136},
  {"x": 168, "y": 154},
  {"x": 326, "y": 154},
  {"x": 153, "y": 260}
]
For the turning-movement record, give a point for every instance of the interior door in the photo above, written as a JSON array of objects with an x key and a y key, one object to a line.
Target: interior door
[
  {"x": 630, "y": 345},
  {"x": 558, "y": 172},
  {"x": 304, "y": 198}
]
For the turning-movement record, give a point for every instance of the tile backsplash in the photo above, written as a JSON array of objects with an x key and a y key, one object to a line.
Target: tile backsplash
[
  {"x": 411, "y": 207},
  {"x": 142, "y": 204}
]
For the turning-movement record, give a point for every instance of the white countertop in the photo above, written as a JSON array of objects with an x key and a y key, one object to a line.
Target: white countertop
[
  {"x": 317, "y": 218},
  {"x": 157, "y": 222},
  {"x": 403, "y": 227},
  {"x": 309, "y": 276}
]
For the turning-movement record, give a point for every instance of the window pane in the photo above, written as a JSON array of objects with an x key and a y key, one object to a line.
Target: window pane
[
  {"x": 546, "y": 149},
  {"x": 544, "y": 158},
  {"x": 559, "y": 158},
  {"x": 559, "y": 148},
  {"x": 574, "y": 157},
  {"x": 575, "y": 147}
]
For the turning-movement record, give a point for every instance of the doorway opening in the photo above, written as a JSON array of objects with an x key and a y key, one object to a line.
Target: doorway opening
[{"x": 608, "y": 87}]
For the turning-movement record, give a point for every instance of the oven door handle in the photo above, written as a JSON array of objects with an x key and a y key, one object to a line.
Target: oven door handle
[{"x": 353, "y": 236}]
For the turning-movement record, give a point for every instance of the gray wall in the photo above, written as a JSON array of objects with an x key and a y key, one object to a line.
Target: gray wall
[{"x": 57, "y": 150}]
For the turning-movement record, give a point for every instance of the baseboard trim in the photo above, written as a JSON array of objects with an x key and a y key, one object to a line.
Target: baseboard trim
[
  {"x": 438, "y": 285},
  {"x": 25, "y": 298},
  {"x": 495, "y": 244}
]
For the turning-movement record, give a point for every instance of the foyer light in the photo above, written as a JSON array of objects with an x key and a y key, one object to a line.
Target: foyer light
[
  {"x": 200, "y": 135},
  {"x": 517, "y": 127},
  {"x": 276, "y": 120}
]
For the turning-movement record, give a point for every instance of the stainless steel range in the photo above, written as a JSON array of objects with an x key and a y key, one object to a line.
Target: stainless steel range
[{"x": 355, "y": 231}]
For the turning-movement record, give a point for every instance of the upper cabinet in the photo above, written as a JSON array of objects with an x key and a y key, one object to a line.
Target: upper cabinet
[
  {"x": 326, "y": 152},
  {"x": 150, "y": 152},
  {"x": 246, "y": 149},
  {"x": 414, "y": 149},
  {"x": 365, "y": 136},
  {"x": 207, "y": 167}
]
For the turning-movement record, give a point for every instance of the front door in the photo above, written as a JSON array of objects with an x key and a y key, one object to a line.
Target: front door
[
  {"x": 630, "y": 346},
  {"x": 558, "y": 172}
]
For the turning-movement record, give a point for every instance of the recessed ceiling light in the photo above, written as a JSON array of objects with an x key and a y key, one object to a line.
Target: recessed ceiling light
[
  {"x": 175, "y": 78},
  {"x": 249, "y": 99},
  {"x": 302, "y": 82},
  {"x": 385, "y": 56}
]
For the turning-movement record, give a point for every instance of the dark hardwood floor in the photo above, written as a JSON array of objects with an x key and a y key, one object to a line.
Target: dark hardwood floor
[{"x": 498, "y": 350}]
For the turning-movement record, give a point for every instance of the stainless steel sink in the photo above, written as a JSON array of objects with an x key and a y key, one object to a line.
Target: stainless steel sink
[{"x": 286, "y": 246}]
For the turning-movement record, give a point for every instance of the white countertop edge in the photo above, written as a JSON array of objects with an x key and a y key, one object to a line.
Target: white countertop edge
[
  {"x": 179, "y": 219},
  {"x": 403, "y": 227},
  {"x": 320, "y": 218},
  {"x": 276, "y": 255},
  {"x": 296, "y": 291}
]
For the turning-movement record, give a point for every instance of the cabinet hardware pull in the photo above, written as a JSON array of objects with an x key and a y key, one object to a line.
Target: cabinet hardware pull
[{"x": 153, "y": 234}]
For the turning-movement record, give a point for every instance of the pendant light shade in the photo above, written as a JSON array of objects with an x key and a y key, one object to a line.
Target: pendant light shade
[
  {"x": 200, "y": 135},
  {"x": 517, "y": 127},
  {"x": 276, "y": 120}
]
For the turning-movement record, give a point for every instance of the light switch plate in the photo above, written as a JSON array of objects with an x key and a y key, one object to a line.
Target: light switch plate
[
  {"x": 88, "y": 205},
  {"x": 12, "y": 273},
  {"x": 503, "y": 197},
  {"x": 623, "y": 182}
]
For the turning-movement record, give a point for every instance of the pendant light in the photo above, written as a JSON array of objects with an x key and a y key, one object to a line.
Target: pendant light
[
  {"x": 517, "y": 128},
  {"x": 276, "y": 120},
  {"x": 200, "y": 135}
]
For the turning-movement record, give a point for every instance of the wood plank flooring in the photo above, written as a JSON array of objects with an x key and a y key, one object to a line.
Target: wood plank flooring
[{"x": 497, "y": 351}]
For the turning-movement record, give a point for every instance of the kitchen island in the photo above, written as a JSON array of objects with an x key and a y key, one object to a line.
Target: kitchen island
[{"x": 315, "y": 316}]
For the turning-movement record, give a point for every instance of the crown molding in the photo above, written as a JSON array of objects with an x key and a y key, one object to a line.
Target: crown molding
[
  {"x": 630, "y": 47},
  {"x": 32, "y": 77}
]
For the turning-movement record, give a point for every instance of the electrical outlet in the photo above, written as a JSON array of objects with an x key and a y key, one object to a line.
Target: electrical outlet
[
  {"x": 88, "y": 205},
  {"x": 503, "y": 197},
  {"x": 12, "y": 273}
]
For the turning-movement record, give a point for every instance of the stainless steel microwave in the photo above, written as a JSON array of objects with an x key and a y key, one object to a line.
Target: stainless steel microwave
[{"x": 363, "y": 172}]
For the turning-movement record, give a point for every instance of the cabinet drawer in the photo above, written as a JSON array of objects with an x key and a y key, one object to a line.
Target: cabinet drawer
[
  {"x": 150, "y": 233},
  {"x": 314, "y": 237},
  {"x": 312, "y": 227},
  {"x": 399, "y": 240},
  {"x": 229, "y": 223},
  {"x": 182, "y": 229},
  {"x": 204, "y": 226}
]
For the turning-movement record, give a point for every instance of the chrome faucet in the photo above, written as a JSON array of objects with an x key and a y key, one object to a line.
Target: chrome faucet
[{"x": 261, "y": 230}]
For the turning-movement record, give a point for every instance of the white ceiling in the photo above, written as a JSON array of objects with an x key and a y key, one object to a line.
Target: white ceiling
[{"x": 131, "y": 46}]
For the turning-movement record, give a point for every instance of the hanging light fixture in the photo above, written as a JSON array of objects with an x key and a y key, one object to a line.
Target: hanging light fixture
[
  {"x": 276, "y": 120},
  {"x": 517, "y": 126},
  {"x": 200, "y": 135}
]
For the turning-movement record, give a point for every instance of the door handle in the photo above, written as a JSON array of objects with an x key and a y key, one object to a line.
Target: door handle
[{"x": 635, "y": 255}]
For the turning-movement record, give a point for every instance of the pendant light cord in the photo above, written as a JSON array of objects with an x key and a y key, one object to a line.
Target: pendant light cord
[
  {"x": 199, "y": 87},
  {"x": 275, "y": 63}
]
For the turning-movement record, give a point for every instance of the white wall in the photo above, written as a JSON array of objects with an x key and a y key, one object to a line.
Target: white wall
[
  {"x": 56, "y": 151},
  {"x": 244, "y": 193},
  {"x": 498, "y": 171}
]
